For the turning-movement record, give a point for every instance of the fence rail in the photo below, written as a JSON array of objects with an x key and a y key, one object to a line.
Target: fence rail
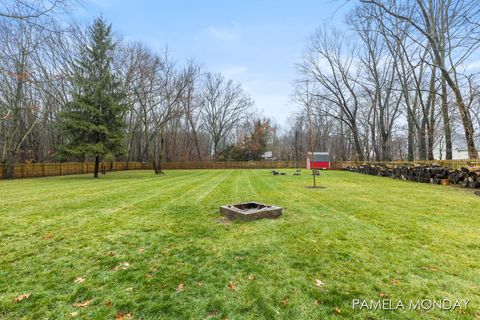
[
  {"x": 234, "y": 165},
  {"x": 32, "y": 170}
]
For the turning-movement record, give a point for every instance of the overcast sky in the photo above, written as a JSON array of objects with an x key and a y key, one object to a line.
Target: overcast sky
[{"x": 256, "y": 42}]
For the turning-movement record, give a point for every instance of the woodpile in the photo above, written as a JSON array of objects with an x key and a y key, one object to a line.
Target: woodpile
[{"x": 468, "y": 177}]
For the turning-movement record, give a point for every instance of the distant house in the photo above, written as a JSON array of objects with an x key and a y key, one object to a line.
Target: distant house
[
  {"x": 318, "y": 160},
  {"x": 268, "y": 156},
  {"x": 459, "y": 148}
]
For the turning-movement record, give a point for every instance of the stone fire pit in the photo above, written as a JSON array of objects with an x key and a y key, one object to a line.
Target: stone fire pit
[{"x": 250, "y": 211}]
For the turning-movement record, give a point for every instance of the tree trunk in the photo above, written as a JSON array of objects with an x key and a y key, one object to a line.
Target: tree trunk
[
  {"x": 195, "y": 140},
  {"x": 430, "y": 144},
  {"x": 157, "y": 161},
  {"x": 467, "y": 124},
  {"x": 97, "y": 163},
  {"x": 10, "y": 166},
  {"x": 358, "y": 146},
  {"x": 386, "y": 152},
  {"x": 411, "y": 137},
  {"x": 422, "y": 142},
  {"x": 446, "y": 121},
  {"x": 373, "y": 131},
  {"x": 430, "y": 114},
  {"x": 157, "y": 167},
  {"x": 462, "y": 108},
  {"x": 295, "y": 145}
]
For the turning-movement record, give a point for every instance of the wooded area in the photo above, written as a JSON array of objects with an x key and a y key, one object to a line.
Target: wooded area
[
  {"x": 170, "y": 111},
  {"x": 400, "y": 83}
]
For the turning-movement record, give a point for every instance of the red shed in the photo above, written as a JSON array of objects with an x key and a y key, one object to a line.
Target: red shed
[{"x": 318, "y": 160}]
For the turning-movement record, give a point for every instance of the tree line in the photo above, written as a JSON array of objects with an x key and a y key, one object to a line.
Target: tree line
[
  {"x": 398, "y": 83},
  {"x": 73, "y": 93}
]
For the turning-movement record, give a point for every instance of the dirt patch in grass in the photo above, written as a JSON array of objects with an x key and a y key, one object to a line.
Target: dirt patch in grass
[{"x": 224, "y": 220}]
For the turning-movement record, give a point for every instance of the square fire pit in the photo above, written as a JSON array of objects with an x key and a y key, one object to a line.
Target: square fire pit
[{"x": 250, "y": 211}]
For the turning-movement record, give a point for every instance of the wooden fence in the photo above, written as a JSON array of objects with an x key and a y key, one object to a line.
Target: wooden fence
[
  {"x": 31, "y": 170},
  {"x": 234, "y": 165}
]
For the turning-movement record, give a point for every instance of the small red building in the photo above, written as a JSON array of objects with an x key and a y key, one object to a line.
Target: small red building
[{"x": 318, "y": 160}]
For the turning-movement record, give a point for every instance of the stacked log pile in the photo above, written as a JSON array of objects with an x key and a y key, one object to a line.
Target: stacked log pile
[{"x": 468, "y": 177}]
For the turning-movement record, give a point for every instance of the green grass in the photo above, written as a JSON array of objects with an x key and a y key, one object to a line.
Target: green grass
[{"x": 362, "y": 236}]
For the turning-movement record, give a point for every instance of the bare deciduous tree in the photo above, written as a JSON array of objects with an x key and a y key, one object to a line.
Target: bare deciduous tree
[
  {"x": 332, "y": 69},
  {"x": 224, "y": 104},
  {"x": 459, "y": 22}
]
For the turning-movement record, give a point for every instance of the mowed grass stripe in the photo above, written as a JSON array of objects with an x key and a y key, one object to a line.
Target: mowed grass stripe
[
  {"x": 77, "y": 218},
  {"x": 92, "y": 194},
  {"x": 107, "y": 185},
  {"x": 346, "y": 235},
  {"x": 82, "y": 219}
]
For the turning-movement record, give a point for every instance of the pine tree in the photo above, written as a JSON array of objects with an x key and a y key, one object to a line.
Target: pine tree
[{"x": 93, "y": 122}]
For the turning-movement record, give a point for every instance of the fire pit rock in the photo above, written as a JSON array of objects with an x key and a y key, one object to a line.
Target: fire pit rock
[{"x": 250, "y": 211}]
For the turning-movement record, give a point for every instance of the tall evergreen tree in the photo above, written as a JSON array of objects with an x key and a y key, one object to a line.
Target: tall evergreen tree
[{"x": 93, "y": 122}]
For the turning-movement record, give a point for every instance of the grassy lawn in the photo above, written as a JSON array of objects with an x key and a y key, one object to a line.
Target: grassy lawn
[{"x": 156, "y": 248}]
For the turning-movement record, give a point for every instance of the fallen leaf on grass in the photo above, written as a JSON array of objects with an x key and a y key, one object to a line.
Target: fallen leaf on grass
[
  {"x": 122, "y": 266},
  {"x": 316, "y": 302},
  {"x": 395, "y": 281},
  {"x": 22, "y": 297},
  {"x": 74, "y": 314},
  {"x": 141, "y": 250},
  {"x": 231, "y": 286},
  {"x": 430, "y": 268},
  {"x": 319, "y": 283},
  {"x": 123, "y": 316},
  {"x": 251, "y": 277},
  {"x": 200, "y": 284},
  {"x": 224, "y": 221},
  {"x": 338, "y": 310},
  {"x": 82, "y": 304},
  {"x": 180, "y": 287},
  {"x": 129, "y": 289},
  {"x": 108, "y": 303},
  {"x": 285, "y": 301},
  {"x": 79, "y": 280},
  {"x": 148, "y": 275},
  {"x": 212, "y": 314},
  {"x": 383, "y": 295},
  {"x": 47, "y": 236}
]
